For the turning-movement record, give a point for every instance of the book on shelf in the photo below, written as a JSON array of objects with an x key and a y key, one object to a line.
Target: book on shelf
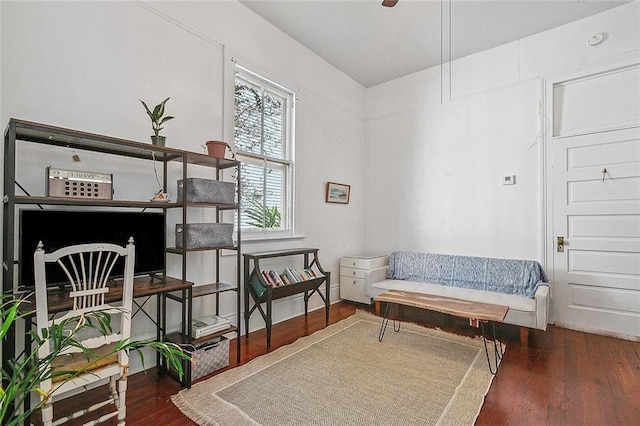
[
  {"x": 208, "y": 325},
  {"x": 307, "y": 274},
  {"x": 257, "y": 285},
  {"x": 293, "y": 275},
  {"x": 276, "y": 278},
  {"x": 268, "y": 278},
  {"x": 288, "y": 272}
]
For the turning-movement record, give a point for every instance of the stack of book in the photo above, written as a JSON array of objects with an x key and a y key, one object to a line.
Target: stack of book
[
  {"x": 208, "y": 325},
  {"x": 288, "y": 276}
]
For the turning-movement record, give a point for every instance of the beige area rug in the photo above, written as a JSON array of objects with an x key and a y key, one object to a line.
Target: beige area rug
[{"x": 342, "y": 375}]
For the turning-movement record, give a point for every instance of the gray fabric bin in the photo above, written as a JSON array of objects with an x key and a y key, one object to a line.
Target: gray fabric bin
[
  {"x": 205, "y": 235},
  {"x": 207, "y": 191},
  {"x": 207, "y": 357}
]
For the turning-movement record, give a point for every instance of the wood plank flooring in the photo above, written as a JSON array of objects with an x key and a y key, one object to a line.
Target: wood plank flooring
[{"x": 563, "y": 377}]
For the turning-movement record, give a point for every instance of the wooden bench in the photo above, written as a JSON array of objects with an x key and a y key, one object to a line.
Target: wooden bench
[{"x": 482, "y": 312}]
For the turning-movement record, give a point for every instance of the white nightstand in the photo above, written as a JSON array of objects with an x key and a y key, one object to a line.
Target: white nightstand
[{"x": 359, "y": 271}]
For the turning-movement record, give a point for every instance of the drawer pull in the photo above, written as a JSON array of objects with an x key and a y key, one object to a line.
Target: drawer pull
[{"x": 354, "y": 272}]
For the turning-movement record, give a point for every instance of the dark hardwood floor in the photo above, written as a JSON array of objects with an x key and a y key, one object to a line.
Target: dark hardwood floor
[{"x": 563, "y": 377}]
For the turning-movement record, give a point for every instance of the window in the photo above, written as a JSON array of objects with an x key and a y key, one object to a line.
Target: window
[{"x": 263, "y": 133}]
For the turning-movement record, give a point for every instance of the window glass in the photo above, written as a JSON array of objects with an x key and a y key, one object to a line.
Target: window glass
[{"x": 263, "y": 140}]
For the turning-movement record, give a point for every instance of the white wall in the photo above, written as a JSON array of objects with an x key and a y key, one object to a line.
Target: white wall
[
  {"x": 84, "y": 65},
  {"x": 435, "y": 165}
]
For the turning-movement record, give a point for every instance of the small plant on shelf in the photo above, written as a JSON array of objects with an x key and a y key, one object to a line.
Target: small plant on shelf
[{"x": 157, "y": 120}]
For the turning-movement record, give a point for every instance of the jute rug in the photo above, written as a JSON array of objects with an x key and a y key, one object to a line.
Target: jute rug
[{"x": 342, "y": 375}]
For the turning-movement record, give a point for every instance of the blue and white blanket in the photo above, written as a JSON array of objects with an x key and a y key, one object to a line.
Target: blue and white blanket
[{"x": 510, "y": 276}]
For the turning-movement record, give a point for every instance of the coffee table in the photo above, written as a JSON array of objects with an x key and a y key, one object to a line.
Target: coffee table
[{"x": 477, "y": 312}]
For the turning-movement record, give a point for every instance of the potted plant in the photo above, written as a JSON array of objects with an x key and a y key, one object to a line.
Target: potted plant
[
  {"x": 157, "y": 120},
  {"x": 27, "y": 371},
  {"x": 217, "y": 149}
]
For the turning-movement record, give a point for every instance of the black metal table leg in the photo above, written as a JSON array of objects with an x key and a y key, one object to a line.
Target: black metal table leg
[
  {"x": 497, "y": 347},
  {"x": 385, "y": 321}
]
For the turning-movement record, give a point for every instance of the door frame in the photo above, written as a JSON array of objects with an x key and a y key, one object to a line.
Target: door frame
[{"x": 548, "y": 82}]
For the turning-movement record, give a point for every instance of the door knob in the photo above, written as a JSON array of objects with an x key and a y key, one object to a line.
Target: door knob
[{"x": 560, "y": 244}]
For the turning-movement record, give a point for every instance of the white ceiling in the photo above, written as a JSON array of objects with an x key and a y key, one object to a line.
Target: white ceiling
[{"x": 374, "y": 44}]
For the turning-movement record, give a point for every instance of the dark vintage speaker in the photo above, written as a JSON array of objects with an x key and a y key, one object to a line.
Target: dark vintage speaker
[{"x": 76, "y": 184}]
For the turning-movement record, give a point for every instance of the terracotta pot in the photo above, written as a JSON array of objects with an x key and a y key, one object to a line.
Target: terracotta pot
[{"x": 216, "y": 149}]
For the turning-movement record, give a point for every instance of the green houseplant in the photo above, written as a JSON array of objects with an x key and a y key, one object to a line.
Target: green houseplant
[
  {"x": 157, "y": 120},
  {"x": 27, "y": 371}
]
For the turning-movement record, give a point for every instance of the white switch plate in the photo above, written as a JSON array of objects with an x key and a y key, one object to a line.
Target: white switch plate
[{"x": 509, "y": 180}]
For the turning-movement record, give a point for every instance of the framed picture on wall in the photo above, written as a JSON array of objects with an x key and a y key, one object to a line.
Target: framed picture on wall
[{"x": 337, "y": 193}]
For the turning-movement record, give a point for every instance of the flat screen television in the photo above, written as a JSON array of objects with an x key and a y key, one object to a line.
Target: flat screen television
[{"x": 61, "y": 228}]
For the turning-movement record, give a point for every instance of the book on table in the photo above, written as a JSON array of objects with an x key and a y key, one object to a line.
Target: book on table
[{"x": 208, "y": 325}]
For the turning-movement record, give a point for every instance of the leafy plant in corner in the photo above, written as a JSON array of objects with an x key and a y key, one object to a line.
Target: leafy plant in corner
[
  {"x": 156, "y": 116},
  {"x": 27, "y": 371}
]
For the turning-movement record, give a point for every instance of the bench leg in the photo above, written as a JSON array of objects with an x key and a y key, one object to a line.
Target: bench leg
[
  {"x": 497, "y": 347},
  {"x": 385, "y": 321},
  {"x": 524, "y": 336}
]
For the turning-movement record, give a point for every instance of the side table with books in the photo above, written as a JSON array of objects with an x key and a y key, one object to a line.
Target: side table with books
[{"x": 265, "y": 285}]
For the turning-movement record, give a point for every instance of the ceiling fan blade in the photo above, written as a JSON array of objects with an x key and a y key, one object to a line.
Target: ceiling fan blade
[{"x": 389, "y": 3}]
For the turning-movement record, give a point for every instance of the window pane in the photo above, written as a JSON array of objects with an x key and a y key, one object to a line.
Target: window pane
[
  {"x": 273, "y": 125},
  {"x": 263, "y": 201},
  {"x": 248, "y": 117},
  {"x": 252, "y": 190},
  {"x": 275, "y": 202}
]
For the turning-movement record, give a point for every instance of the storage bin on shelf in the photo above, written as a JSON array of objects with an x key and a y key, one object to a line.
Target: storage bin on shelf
[
  {"x": 209, "y": 356},
  {"x": 207, "y": 191},
  {"x": 204, "y": 235}
]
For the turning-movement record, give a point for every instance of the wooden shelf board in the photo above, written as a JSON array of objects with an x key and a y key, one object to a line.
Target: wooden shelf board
[
  {"x": 61, "y": 201},
  {"x": 58, "y": 136}
]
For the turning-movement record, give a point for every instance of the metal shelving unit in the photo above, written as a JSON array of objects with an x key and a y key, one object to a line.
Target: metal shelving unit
[{"x": 25, "y": 131}]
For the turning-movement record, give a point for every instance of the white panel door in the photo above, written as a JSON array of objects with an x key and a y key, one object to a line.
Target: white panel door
[
  {"x": 597, "y": 211},
  {"x": 594, "y": 196}
]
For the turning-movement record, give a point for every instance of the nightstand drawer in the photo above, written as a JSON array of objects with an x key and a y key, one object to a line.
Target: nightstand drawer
[
  {"x": 352, "y": 272},
  {"x": 364, "y": 263},
  {"x": 353, "y": 289}
]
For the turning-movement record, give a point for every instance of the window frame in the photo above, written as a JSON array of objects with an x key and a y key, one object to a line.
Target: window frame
[{"x": 287, "y": 162}]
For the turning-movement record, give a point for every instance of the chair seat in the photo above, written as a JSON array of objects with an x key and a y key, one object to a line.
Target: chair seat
[{"x": 86, "y": 362}]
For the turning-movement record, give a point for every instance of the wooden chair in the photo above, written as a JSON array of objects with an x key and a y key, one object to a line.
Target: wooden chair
[{"x": 88, "y": 268}]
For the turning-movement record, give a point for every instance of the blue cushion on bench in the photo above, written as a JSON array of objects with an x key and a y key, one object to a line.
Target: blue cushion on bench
[{"x": 509, "y": 276}]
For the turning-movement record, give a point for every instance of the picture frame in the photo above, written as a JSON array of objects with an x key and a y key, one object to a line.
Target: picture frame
[{"x": 337, "y": 193}]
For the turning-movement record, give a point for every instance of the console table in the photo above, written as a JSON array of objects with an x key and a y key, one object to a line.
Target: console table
[{"x": 261, "y": 291}]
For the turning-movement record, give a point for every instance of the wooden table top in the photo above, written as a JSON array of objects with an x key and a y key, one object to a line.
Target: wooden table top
[
  {"x": 59, "y": 301},
  {"x": 447, "y": 305}
]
